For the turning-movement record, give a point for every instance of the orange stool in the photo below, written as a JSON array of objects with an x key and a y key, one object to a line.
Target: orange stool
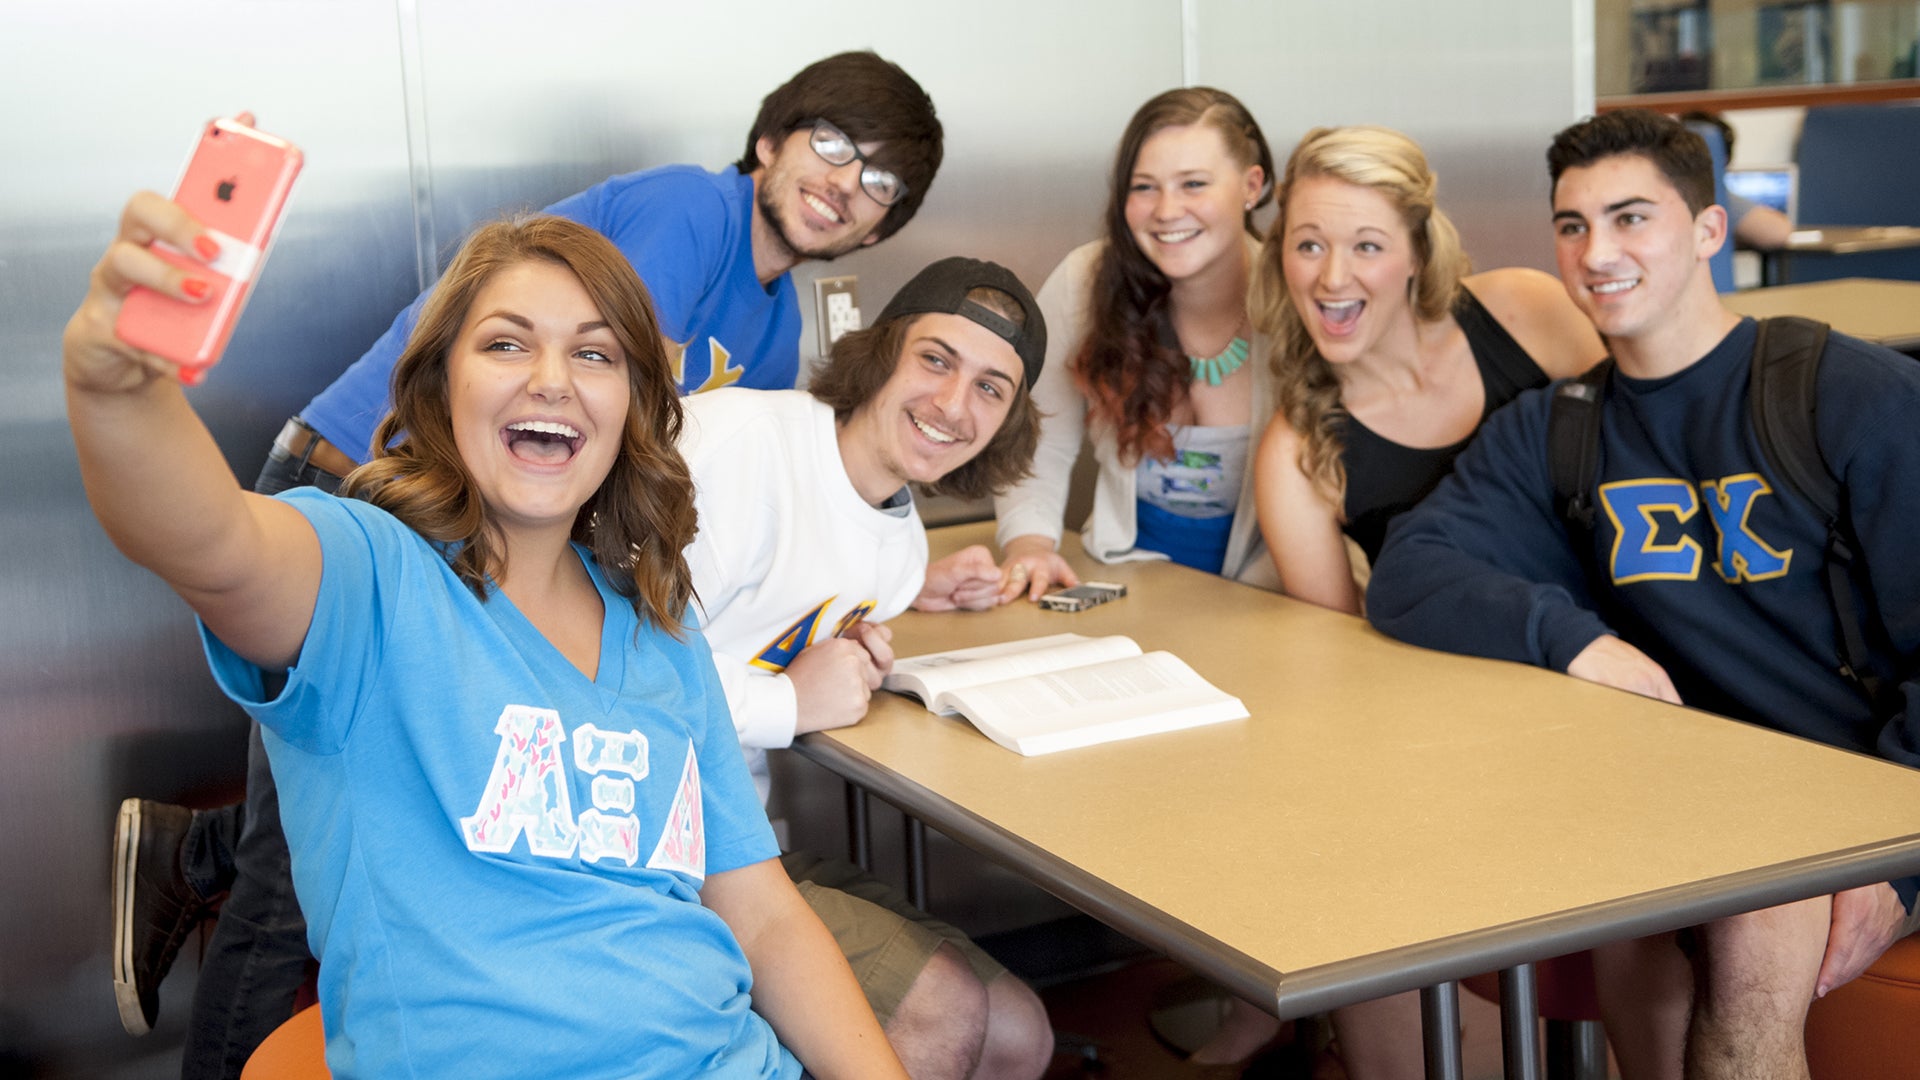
[
  {"x": 1866, "y": 1028},
  {"x": 297, "y": 1050}
]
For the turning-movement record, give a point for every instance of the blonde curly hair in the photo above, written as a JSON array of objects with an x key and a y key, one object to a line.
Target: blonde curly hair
[{"x": 1305, "y": 385}]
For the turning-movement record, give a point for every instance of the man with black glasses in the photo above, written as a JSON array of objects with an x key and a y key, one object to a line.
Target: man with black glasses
[{"x": 839, "y": 158}]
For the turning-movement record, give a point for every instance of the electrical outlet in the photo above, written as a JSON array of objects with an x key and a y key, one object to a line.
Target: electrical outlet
[{"x": 836, "y": 308}]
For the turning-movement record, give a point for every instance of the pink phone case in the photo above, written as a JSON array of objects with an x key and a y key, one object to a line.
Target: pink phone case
[{"x": 236, "y": 183}]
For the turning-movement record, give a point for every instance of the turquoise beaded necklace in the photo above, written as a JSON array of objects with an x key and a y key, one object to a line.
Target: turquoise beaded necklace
[{"x": 1213, "y": 369}]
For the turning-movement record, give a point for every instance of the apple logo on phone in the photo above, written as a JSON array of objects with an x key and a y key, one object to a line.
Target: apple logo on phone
[{"x": 224, "y": 192}]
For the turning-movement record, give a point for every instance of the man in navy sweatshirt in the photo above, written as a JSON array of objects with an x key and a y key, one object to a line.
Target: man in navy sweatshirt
[{"x": 1701, "y": 580}]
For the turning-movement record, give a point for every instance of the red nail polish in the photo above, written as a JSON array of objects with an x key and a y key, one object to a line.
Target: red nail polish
[
  {"x": 207, "y": 247},
  {"x": 195, "y": 287}
]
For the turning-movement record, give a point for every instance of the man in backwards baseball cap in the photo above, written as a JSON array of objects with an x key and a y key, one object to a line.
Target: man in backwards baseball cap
[
  {"x": 895, "y": 388},
  {"x": 809, "y": 541}
]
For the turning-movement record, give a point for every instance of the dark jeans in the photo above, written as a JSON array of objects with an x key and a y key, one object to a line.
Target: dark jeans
[{"x": 258, "y": 959}]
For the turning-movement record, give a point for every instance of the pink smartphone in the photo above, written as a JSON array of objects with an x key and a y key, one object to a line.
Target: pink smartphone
[{"x": 236, "y": 183}]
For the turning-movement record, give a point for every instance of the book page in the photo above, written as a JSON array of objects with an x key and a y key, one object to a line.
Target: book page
[
  {"x": 934, "y": 674},
  {"x": 1098, "y": 703}
]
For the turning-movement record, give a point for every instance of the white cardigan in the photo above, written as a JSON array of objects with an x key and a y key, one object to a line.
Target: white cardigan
[{"x": 1038, "y": 504}]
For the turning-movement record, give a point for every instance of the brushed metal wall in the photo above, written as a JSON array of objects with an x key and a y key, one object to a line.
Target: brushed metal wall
[
  {"x": 1481, "y": 84},
  {"x": 420, "y": 117}
]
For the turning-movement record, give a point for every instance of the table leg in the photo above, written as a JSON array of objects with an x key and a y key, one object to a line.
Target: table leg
[
  {"x": 916, "y": 851},
  {"x": 1576, "y": 1050},
  {"x": 1440, "y": 1024},
  {"x": 1520, "y": 1023},
  {"x": 859, "y": 835},
  {"x": 1773, "y": 267}
]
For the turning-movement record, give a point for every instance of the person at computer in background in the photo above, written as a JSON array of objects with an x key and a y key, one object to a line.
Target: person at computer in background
[
  {"x": 1701, "y": 581},
  {"x": 1387, "y": 357},
  {"x": 838, "y": 158},
  {"x": 1755, "y": 226},
  {"x": 1150, "y": 352},
  {"x": 809, "y": 541},
  {"x": 503, "y": 580}
]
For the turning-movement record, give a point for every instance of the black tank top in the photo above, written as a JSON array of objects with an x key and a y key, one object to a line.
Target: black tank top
[{"x": 1385, "y": 479}]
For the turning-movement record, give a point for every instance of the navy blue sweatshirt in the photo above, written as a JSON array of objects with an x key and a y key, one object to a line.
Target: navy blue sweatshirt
[{"x": 1704, "y": 561}]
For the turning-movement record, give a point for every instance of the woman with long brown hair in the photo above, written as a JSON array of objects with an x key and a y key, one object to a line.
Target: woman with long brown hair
[
  {"x": 513, "y": 792},
  {"x": 1150, "y": 351}
]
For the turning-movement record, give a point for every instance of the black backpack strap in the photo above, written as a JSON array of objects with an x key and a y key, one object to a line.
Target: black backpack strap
[
  {"x": 1573, "y": 448},
  {"x": 1782, "y": 401},
  {"x": 1786, "y": 360}
]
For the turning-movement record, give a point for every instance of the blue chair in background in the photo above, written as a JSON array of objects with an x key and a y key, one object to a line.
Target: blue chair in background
[
  {"x": 1722, "y": 262},
  {"x": 1860, "y": 165}
]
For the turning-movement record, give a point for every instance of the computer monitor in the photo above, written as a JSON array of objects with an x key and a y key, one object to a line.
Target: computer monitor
[{"x": 1777, "y": 186}]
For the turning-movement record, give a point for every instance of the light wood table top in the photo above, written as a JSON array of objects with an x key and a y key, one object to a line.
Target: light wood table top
[
  {"x": 1887, "y": 312},
  {"x": 1389, "y": 817}
]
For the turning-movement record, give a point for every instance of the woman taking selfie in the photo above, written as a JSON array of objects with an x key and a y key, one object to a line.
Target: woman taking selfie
[
  {"x": 513, "y": 794},
  {"x": 1151, "y": 352}
]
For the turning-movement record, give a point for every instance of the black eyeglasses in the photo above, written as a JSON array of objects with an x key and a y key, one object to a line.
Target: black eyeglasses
[{"x": 835, "y": 148}]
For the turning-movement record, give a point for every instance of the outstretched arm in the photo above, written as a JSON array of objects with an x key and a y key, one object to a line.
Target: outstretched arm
[
  {"x": 801, "y": 982},
  {"x": 248, "y": 565}
]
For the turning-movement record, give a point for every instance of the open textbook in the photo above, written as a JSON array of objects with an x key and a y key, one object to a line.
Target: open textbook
[{"x": 1055, "y": 693}]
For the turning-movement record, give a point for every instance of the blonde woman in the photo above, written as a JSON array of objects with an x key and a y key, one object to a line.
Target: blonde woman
[{"x": 1387, "y": 354}]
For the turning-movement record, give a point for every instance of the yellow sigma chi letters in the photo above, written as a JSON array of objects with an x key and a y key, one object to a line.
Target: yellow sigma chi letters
[{"x": 1639, "y": 508}]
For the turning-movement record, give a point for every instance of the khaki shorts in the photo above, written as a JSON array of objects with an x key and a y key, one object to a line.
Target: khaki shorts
[{"x": 887, "y": 941}]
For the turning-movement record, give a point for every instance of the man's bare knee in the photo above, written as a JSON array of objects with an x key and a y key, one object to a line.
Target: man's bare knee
[
  {"x": 1753, "y": 980},
  {"x": 1773, "y": 953},
  {"x": 1019, "y": 1040},
  {"x": 939, "y": 1027}
]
